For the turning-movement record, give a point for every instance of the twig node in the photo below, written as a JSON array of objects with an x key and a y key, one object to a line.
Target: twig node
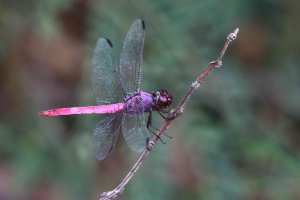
[{"x": 150, "y": 145}]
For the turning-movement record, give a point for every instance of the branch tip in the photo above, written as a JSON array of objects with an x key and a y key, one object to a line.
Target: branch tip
[{"x": 232, "y": 36}]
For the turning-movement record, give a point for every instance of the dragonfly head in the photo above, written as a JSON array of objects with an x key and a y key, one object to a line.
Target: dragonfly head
[{"x": 162, "y": 99}]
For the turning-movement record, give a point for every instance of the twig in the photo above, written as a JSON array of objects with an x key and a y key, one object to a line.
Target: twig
[{"x": 171, "y": 117}]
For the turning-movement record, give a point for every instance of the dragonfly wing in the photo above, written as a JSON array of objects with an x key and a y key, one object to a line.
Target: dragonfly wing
[
  {"x": 104, "y": 82},
  {"x": 131, "y": 61},
  {"x": 135, "y": 131},
  {"x": 105, "y": 135}
]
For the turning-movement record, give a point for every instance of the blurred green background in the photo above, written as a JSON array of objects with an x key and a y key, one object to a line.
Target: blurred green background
[{"x": 239, "y": 137}]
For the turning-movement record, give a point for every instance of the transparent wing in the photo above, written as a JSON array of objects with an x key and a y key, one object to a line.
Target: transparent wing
[
  {"x": 131, "y": 61},
  {"x": 134, "y": 131},
  {"x": 105, "y": 135},
  {"x": 104, "y": 81}
]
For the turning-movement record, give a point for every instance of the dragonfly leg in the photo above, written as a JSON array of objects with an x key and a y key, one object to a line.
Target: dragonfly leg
[
  {"x": 170, "y": 114},
  {"x": 165, "y": 111},
  {"x": 149, "y": 127},
  {"x": 171, "y": 137},
  {"x": 162, "y": 115}
]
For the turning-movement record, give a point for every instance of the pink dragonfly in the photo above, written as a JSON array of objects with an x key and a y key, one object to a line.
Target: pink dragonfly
[{"x": 118, "y": 94}]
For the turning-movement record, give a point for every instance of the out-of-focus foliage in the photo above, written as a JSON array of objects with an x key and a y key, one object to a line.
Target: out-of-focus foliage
[{"x": 239, "y": 135}]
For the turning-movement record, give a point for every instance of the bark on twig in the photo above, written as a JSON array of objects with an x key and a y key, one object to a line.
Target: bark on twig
[{"x": 170, "y": 119}]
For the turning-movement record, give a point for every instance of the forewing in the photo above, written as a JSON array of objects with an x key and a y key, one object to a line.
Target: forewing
[
  {"x": 131, "y": 61},
  {"x": 135, "y": 131},
  {"x": 105, "y": 135},
  {"x": 104, "y": 82}
]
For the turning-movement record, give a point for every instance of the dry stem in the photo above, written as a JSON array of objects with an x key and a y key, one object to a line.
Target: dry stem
[{"x": 171, "y": 117}]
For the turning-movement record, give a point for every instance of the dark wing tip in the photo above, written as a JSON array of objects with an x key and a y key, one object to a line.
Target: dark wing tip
[
  {"x": 143, "y": 24},
  {"x": 109, "y": 42},
  {"x": 110, "y": 149}
]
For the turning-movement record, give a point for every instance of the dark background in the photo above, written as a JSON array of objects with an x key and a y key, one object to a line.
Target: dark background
[{"x": 239, "y": 135}]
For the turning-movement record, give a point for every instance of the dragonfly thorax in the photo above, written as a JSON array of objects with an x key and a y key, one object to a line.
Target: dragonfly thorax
[{"x": 138, "y": 102}]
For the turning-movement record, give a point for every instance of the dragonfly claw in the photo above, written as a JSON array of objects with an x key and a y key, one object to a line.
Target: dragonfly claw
[{"x": 174, "y": 113}]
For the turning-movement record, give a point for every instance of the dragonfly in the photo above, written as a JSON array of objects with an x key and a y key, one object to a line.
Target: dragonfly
[{"x": 118, "y": 95}]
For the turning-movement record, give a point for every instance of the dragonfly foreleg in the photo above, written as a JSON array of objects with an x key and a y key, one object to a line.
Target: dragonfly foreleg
[
  {"x": 170, "y": 114},
  {"x": 162, "y": 115},
  {"x": 150, "y": 127},
  {"x": 165, "y": 111}
]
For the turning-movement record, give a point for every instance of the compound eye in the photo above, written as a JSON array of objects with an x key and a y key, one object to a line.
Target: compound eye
[{"x": 163, "y": 99}]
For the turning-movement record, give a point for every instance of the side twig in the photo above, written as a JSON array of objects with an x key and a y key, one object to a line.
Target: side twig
[{"x": 171, "y": 117}]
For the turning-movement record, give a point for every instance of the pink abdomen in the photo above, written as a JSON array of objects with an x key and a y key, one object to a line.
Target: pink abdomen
[{"x": 103, "y": 109}]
